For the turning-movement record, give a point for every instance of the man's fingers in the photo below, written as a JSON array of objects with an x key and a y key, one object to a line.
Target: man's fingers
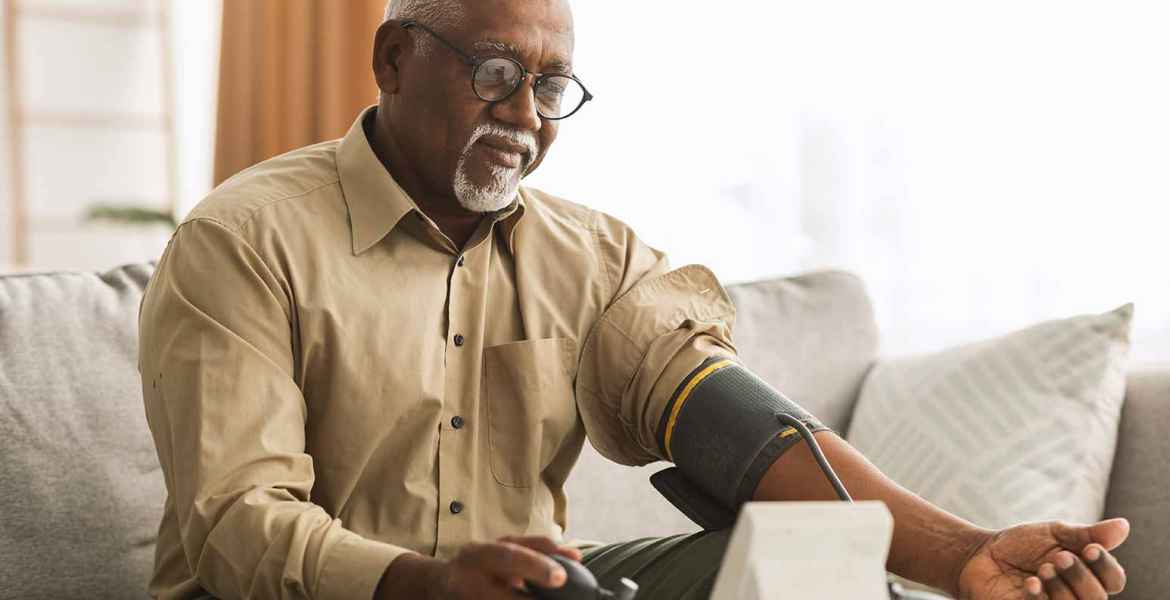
[
  {"x": 1034, "y": 589},
  {"x": 481, "y": 585},
  {"x": 1079, "y": 578},
  {"x": 543, "y": 544},
  {"x": 500, "y": 590},
  {"x": 1110, "y": 534},
  {"x": 570, "y": 552},
  {"x": 506, "y": 560},
  {"x": 536, "y": 542},
  {"x": 1105, "y": 566},
  {"x": 1053, "y": 584}
]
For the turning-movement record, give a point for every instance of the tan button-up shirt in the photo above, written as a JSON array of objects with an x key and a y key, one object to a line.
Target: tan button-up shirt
[{"x": 331, "y": 382}]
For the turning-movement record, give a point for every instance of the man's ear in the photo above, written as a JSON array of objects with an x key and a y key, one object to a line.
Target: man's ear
[{"x": 389, "y": 48}]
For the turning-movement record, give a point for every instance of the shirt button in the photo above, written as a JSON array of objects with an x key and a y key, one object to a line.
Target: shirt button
[
  {"x": 460, "y": 263},
  {"x": 457, "y": 422},
  {"x": 456, "y": 507},
  {"x": 458, "y": 339}
]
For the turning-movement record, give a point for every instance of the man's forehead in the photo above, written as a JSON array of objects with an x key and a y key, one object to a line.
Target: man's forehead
[
  {"x": 496, "y": 46},
  {"x": 522, "y": 28},
  {"x": 553, "y": 57},
  {"x": 552, "y": 15}
]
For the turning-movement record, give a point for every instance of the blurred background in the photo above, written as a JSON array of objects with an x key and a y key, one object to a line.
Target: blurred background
[{"x": 982, "y": 165}]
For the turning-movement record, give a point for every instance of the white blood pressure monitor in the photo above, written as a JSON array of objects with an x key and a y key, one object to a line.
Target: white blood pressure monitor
[{"x": 807, "y": 550}]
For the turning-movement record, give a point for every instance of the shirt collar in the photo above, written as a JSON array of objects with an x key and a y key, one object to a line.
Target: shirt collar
[
  {"x": 508, "y": 219},
  {"x": 375, "y": 200}
]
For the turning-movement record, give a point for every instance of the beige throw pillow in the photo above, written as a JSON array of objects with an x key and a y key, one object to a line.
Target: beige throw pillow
[{"x": 1017, "y": 428}]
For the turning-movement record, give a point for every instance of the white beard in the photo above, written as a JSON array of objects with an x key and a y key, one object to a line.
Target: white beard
[
  {"x": 504, "y": 183},
  {"x": 497, "y": 194}
]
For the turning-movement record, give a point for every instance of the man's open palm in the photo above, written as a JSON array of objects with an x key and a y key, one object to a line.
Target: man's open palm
[{"x": 1052, "y": 560}]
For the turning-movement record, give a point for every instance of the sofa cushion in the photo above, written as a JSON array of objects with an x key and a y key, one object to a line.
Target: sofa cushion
[
  {"x": 1139, "y": 487},
  {"x": 81, "y": 491},
  {"x": 813, "y": 337},
  {"x": 1007, "y": 430}
]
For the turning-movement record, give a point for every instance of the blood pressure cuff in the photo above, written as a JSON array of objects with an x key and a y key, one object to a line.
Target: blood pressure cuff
[{"x": 720, "y": 429}]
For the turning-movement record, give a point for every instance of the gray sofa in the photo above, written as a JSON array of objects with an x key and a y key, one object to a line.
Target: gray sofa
[{"x": 81, "y": 491}]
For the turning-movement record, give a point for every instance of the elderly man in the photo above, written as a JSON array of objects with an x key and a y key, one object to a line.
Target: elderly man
[{"x": 369, "y": 365}]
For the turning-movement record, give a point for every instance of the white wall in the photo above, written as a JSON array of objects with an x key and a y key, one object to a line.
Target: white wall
[{"x": 982, "y": 165}]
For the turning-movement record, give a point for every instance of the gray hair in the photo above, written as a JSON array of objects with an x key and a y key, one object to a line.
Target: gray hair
[
  {"x": 432, "y": 13},
  {"x": 440, "y": 14}
]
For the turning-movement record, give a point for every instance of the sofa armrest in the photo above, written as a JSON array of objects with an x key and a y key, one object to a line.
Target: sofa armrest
[{"x": 1139, "y": 487}]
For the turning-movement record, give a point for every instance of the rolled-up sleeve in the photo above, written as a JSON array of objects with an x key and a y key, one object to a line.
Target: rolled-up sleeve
[
  {"x": 228, "y": 419},
  {"x": 660, "y": 326}
]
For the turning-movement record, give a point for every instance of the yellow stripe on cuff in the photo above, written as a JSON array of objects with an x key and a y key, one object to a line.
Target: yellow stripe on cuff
[{"x": 682, "y": 398}]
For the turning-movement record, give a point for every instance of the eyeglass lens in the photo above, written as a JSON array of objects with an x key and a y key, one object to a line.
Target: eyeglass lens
[{"x": 556, "y": 95}]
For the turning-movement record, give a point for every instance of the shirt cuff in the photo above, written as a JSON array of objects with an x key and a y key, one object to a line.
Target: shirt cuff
[{"x": 354, "y": 568}]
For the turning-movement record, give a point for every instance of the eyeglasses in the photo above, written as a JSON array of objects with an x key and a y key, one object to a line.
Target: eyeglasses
[{"x": 496, "y": 79}]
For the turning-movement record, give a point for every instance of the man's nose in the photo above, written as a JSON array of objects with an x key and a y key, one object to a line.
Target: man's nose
[{"x": 519, "y": 109}]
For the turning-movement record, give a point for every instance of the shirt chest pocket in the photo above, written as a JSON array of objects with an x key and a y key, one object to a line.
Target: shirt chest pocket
[{"x": 528, "y": 390}]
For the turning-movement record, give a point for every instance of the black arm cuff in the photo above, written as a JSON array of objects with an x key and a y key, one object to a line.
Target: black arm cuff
[{"x": 720, "y": 429}]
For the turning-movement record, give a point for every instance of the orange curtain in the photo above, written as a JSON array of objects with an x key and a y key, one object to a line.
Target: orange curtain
[{"x": 292, "y": 73}]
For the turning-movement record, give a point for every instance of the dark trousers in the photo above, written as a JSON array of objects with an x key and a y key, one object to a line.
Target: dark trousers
[{"x": 679, "y": 567}]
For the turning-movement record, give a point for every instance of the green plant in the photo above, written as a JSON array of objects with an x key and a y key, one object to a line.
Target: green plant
[{"x": 130, "y": 215}]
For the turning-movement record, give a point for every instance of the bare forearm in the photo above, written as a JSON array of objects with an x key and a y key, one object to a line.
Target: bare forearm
[{"x": 929, "y": 544}]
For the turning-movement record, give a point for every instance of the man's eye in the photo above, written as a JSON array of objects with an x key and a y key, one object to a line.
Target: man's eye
[{"x": 552, "y": 89}]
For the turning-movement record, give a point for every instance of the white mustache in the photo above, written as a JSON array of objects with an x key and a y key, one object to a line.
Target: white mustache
[{"x": 516, "y": 136}]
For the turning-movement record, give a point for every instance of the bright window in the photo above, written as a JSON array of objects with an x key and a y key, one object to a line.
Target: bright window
[{"x": 982, "y": 165}]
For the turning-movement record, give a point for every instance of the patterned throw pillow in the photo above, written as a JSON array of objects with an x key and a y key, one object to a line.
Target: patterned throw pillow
[{"x": 1017, "y": 428}]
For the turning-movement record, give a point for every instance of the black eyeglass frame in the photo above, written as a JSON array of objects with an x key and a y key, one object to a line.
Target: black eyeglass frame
[{"x": 475, "y": 62}]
